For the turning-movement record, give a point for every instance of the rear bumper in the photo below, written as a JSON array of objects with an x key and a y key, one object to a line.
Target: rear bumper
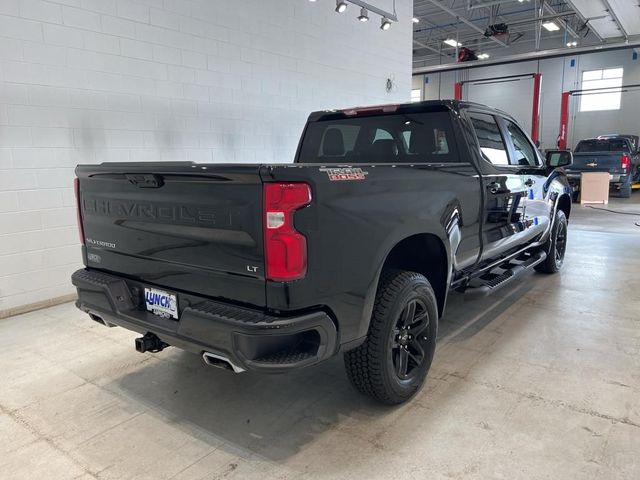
[
  {"x": 250, "y": 339},
  {"x": 615, "y": 179}
]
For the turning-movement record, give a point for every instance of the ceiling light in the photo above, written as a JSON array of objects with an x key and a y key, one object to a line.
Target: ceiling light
[
  {"x": 415, "y": 20},
  {"x": 551, "y": 26},
  {"x": 385, "y": 23},
  {"x": 452, "y": 42},
  {"x": 483, "y": 56},
  {"x": 341, "y": 6},
  {"x": 364, "y": 16}
]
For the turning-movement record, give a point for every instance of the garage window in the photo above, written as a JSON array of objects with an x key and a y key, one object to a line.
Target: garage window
[
  {"x": 609, "y": 79},
  {"x": 416, "y": 95}
]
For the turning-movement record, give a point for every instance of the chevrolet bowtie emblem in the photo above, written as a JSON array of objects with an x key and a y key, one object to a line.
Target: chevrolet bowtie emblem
[{"x": 592, "y": 164}]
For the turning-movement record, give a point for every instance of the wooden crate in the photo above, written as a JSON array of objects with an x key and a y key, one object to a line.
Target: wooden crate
[{"x": 594, "y": 188}]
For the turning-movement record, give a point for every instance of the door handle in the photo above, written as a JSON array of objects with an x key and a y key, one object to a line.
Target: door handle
[
  {"x": 529, "y": 182},
  {"x": 494, "y": 187}
]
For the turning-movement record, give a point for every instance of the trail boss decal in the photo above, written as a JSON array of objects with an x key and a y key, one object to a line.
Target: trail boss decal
[{"x": 344, "y": 173}]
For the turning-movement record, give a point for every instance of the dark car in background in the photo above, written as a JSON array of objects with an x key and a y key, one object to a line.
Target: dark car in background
[{"x": 616, "y": 154}]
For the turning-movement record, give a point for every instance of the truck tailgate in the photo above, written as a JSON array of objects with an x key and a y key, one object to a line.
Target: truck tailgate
[
  {"x": 181, "y": 226},
  {"x": 596, "y": 162}
]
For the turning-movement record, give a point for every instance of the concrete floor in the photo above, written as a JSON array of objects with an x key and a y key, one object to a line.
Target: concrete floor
[{"x": 540, "y": 381}]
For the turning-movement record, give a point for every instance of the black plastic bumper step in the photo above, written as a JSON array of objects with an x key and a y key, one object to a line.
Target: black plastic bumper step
[{"x": 285, "y": 357}]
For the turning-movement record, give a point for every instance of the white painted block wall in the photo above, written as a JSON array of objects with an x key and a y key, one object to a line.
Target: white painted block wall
[{"x": 140, "y": 80}]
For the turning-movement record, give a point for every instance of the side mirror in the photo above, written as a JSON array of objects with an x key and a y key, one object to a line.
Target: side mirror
[{"x": 559, "y": 158}]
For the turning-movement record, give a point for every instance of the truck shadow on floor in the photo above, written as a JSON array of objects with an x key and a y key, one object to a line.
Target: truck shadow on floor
[{"x": 275, "y": 416}]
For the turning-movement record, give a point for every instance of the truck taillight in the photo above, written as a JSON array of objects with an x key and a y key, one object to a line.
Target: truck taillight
[
  {"x": 625, "y": 162},
  {"x": 76, "y": 188},
  {"x": 285, "y": 249}
]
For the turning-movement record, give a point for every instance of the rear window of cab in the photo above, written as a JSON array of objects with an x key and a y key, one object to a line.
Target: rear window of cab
[
  {"x": 608, "y": 145},
  {"x": 392, "y": 138}
]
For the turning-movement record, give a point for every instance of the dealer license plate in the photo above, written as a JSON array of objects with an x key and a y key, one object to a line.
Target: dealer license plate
[{"x": 161, "y": 303}]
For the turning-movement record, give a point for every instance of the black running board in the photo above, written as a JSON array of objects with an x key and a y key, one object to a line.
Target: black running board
[{"x": 504, "y": 274}]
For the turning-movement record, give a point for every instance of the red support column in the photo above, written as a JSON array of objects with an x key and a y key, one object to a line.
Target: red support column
[
  {"x": 535, "y": 115},
  {"x": 457, "y": 91},
  {"x": 564, "y": 120}
]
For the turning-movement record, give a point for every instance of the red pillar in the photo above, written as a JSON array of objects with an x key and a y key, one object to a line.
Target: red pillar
[
  {"x": 535, "y": 115},
  {"x": 564, "y": 121},
  {"x": 457, "y": 91}
]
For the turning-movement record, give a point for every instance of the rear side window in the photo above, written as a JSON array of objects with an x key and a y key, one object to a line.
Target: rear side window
[
  {"x": 492, "y": 145},
  {"x": 612, "y": 145},
  {"x": 393, "y": 138},
  {"x": 524, "y": 151}
]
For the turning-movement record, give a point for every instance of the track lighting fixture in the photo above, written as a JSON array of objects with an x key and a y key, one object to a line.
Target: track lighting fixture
[
  {"x": 364, "y": 15},
  {"x": 387, "y": 17}
]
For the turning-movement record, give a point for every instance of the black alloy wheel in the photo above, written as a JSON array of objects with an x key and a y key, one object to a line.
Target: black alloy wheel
[
  {"x": 556, "y": 245},
  {"x": 560, "y": 245},
  {"x": 392, "y": 363},
  {"x": 409, "y": 341}
]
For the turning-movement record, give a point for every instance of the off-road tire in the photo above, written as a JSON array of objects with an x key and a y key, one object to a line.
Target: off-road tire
[
  {"x": 625, "y": 188},
  {"x": 625, "y": 191},
  {"x": 575, "y": 197},
  {"x": 370, "y": 367},
  {"x": 555, "y": 246}
]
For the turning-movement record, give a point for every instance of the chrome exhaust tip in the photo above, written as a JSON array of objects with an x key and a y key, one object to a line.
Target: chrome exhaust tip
[{"x": 219, "y": 361}]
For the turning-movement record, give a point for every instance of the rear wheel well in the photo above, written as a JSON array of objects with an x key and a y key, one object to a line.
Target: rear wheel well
[
  {"x": 564, "y": 204},
  {"x": 424, "y": 254}
]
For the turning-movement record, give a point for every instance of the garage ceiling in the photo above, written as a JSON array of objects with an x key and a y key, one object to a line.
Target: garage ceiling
[
  {"x": 578, "y": 23},
  {"x": 619, "y": 18}
]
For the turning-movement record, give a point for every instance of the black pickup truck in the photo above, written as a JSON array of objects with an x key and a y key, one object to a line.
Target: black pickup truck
[
  {"x": 616, "y": 154},
  {"x": 353, "y": 248}
]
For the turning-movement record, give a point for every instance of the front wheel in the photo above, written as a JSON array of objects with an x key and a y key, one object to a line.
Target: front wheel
[
  {"x": 391, "y": 365},
  {"x": 556, "y": 245}
]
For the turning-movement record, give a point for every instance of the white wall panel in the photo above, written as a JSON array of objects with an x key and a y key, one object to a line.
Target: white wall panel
[
  {"x": 120, "y": 80},
  {"x": 558, "y": 75},
  {"x": 624, "y": 120}
]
